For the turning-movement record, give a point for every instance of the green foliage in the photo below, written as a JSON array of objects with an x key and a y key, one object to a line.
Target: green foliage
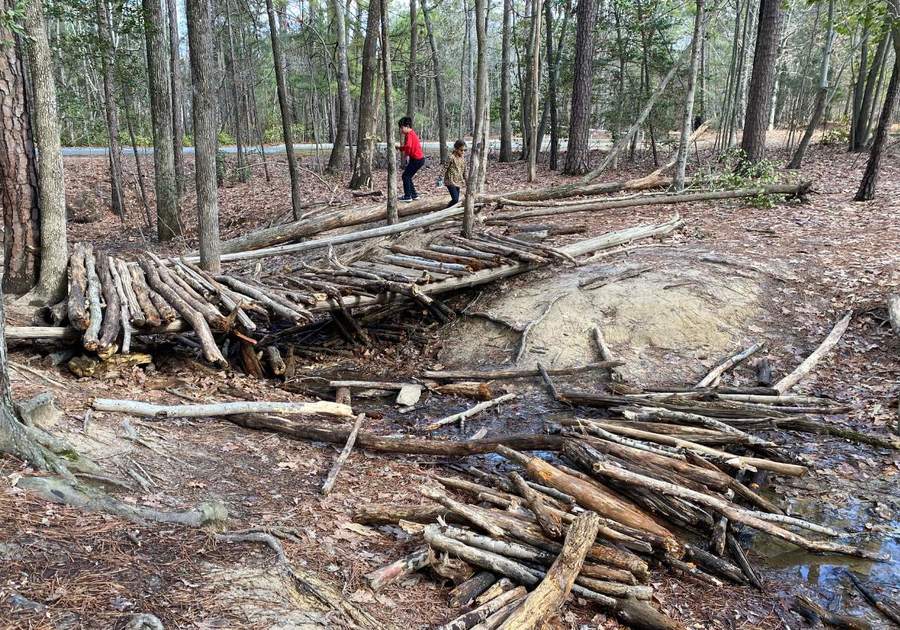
[
  {"x": 732, "y": 172},
  {"x": 12, "y": 19},
  {"x": 839, "y": 134},
  {"x": 225, "y": 138}
]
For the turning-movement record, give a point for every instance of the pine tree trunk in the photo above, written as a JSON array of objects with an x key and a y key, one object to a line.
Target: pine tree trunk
[
  {"x": 243, "y": 172},
  {"x": 534, "y": 83},
  {"x": 821, "y": 95},
  {"x": 688, "y": 117},
  {"x": 392, "y": 215},
  {"x": 473, "y": 180},
  {"x": 168, "y": 223},
  {"x": 762, "y": 78},
  {"x": 866, "y": 190},
  {"x": 177, "y": 112},
  {"x": 859, "y": 84},
  {"x": 413, "y": 50},
  {"x": 342, "y": 134},
  {"x": 551, "y": 91},
  {"x": 18, "y": 174},
  {"x": 203, "y": 69},
  {"x": 107, "y": 58},
  {"x": 860, "y": 133},
  {"x": 438, "y": 85},
  {"x": 284, "y": 104},
  {"x": 578, "y": 152},
  {"x": 505, "y": 78},
  {"x": 365, "y": 141},
  {"x": 51, "y": 284}
]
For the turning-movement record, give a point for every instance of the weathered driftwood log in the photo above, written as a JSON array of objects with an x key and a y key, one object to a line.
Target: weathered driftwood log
[
  {"x": 91, "y": 339},
  {"x": 712, "y": 378},
  {"x": 462, "y": 416},
  {"x": 491, "y": 375},
  {"x": 112, "y": 316},
  {"x": 79, "y": 316},
  {"x": 149, "y": 410},
  {"x": 553, "y": 590},
  {"x": 657, "y": 413},
  {"x": 591, "y": 496},
  {"x": 124, "y": 305},
  {"x": 127, "y": 294},
  {"x": 152, "y": 315},
  {"x": 473, "y": 617},
  {"x": 549, "y": 522},
  {"x": 815, "y": 614},
  {"x": 733, "y": 512},
  {"x": 193, "y": 317},
  {"x": 399, "y": 569},
  {"x": 345, "y": 453},
  {"x": 466, "y": 261},
  {"x": 810, "y": 362},
  {"x": 475, "y": 586}
]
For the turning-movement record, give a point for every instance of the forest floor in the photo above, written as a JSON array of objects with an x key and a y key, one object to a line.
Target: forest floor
[{"x": 794, "y": 269}]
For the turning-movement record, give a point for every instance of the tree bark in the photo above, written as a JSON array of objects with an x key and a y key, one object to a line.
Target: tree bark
[
  {"x": 168, "y": 222},
  {"x": 505, "y": 78},
  {"x": 413, "y": 51},
  {"x": 534, "y": 74},
  {"x": 438, "y": 85},
  {"x": 284, "y": 103},
  {"x": 202, "y": 50},
  {"x": 51, "y": 284},
  {"x": 687, "y": 119},
  {"x": 866, "y": 190},
  {"x": 365, "y": 141},
  {"x": 18, "y": 170},
  {"x": 861, "y": 124},
  {"x": 243, "y": 173},
  {"x": 342, "y": 134},
  {"x": 117, "y": 199},
  {"x": 473, "y": 181},
  {"x": 392, "y": 215},
  {"x": 762, "y": 79},
  {"x": 578, "y": 151},
  {"x": 177, "y": 112}
]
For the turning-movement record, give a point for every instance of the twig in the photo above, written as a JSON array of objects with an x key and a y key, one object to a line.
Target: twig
[
  {"x": 524, "y": 339},
  {"x": 345, "y": 453},
  {"x": 468, "y": 413},
  {"x": 810, "y": 362}
]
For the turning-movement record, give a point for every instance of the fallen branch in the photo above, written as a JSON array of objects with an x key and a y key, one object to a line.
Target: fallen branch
[
  {"x": 523, "y": 340},
  {"x": 345, "y": 453},
  {"x": 137, "y": 408},
  {"x": 399, "y": 569},
  {"x": 889, "y": 610},
  {"x": 462, "y": 416},
  {"x": 491, "y": 375},
  {"x": 711, "y": 379},
  {"x": 810, "y": 362}
]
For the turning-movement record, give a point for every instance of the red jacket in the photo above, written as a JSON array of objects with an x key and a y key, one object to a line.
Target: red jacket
[{"x": 412, "y": 147}]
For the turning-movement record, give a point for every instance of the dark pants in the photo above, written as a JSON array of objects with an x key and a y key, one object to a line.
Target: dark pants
[
  {"x": 412, "y": 167},
  {"x": 454, "y": 194}
]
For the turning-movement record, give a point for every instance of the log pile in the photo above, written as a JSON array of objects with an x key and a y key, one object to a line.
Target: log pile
[
  {"x": 111, "y": 300},
  {"x": 668, "y": 477}
]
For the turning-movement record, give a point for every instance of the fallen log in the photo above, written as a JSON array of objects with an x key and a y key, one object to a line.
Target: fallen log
[
  {"x": 462, "y": 416},
  {"x": 816, "y": 614},
  {"x": 91, "y": 339},
  {"x": 146, "y": 311},
  {"x": 473, "y": 617},
  {"x": 888, "y": 609},
  {"x": 893, "y": 306},
  {"x": 475, "y": 586},
  {"x": 712, "y": 378},
  {"x": 399, "y": 569},
  {"x": 112, "y": 317},
  {"x": 462, "y": 510},
  {"x": 550, "y": 522},
  {"x": 149, "y": 410},
  {"x": 553, "y": 590},
  {"x": 792, "y": 190},
  {"x": 77, "y": 298},
  {"x": 810, "y": 362},
  {"x": 512, "y": 373},
  {"x": 345, "y": 453}
]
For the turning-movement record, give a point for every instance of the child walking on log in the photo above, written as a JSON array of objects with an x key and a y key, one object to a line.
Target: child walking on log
[
  {"x": 455, "y": 175},
  {"x": 413, "y": 150}
]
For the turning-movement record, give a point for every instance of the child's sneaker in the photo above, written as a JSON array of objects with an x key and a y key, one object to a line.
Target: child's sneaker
[{"x": 404, "y": 198}]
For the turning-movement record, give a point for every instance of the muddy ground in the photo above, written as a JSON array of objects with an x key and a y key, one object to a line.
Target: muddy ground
[{"x": 736, "y": 274}]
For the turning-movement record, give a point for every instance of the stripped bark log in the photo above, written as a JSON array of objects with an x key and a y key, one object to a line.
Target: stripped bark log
[
  {"x": 91, "y": 338},
  {"x": 79, "y": 316},
  {"x": 810, "y": 362},
  {"x": 135, "y": 312},
  {"x": 491, "y": 375},
  {"x": 296, "y": 314},
  {"x": 124, "y": 305},
  {"x": 553, "y": 590},
  {"x": 462, "y": 510},
  {"x": 134, "y": 277},
  {"x": 149, "y": 410},
  {"x": 112, "y": 316}
]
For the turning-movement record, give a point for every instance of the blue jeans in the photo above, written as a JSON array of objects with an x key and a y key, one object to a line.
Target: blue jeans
[
  {"x": 412, "y": 167},
  {"x": 454, "y": 194}
]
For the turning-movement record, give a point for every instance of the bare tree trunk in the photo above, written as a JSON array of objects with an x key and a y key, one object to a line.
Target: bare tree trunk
[
  {"x": 243, "y": 172},
  {"x": 473, "y": 180},
  {"x": 860, "y": 134},
  {"x": 51, "y": 284},
  {"x": 821, "y": 95},
  {"x": 866, "y": 190},
  {"x": 200, "y": 37},
  {"x": 365, "y": 141},
  {"x": 413, "y": 50},
  {"x": 859, "y": 84},
  {"x": 177, "y": 113},
  {"x": 578, "y": 151},
  {"x": 551, "y": 91},
  {"x": 168, "y": 223},
  {"x": 287, "y": 116},
  {"x": 117, "y": 199},
  {"x": 342, "y": 134},
  {"x": 438, "y": 85},
  {"x": 688, "y": 117},
  {"x": 18, "y": 174},
  {"x": 534, "y": 74},
  {"x": 505, "y": 78},
  {"x": 392, "y": 216},
  {"x": 756, "y": 119}
]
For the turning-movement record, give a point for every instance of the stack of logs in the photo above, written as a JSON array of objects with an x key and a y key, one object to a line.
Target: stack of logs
[{"x": 656, "y": 474}]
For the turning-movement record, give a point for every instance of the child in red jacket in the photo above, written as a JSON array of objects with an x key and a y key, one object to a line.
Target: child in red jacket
[{"x": 413, "y": 150}]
